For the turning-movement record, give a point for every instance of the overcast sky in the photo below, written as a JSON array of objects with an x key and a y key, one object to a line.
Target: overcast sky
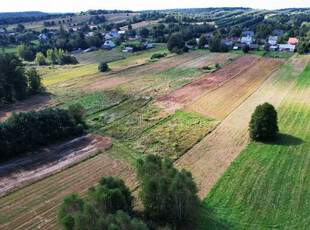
[{"x": 83, "y": 5}]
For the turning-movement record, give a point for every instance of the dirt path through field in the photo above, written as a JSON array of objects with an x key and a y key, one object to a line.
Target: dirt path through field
[
  {"x": 187, "y": 93},
  {"x": 18, "y": 172},
  {"x": 211, "y": 157},
  {"x": 35, "y": 102}
]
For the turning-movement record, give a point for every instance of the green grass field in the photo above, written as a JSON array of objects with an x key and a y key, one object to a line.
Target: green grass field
[{"x": 267, "y": 186}]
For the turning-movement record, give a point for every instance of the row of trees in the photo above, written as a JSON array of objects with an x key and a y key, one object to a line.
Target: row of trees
[
  {"x": 55, "y": 56},
  {"x": 23, "y": 132},
  {"x": 16, "y": 83},
  {"x": 169, "y": 198}
]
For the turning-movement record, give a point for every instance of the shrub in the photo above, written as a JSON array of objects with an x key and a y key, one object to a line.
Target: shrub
[
  {"x": 217, "y": 65},
  {"x": 264, "y": 123},
  {"x": 103, "y": 66},
  {"x": 40, "y": 59},
  {"x": 154, "y": 56},
  {"x": 245, "y": 49},
  {"x": 206, "y": 67}
]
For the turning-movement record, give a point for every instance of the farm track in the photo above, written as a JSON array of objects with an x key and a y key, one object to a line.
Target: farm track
[
  {"x": 187, "y": 93},
  {"x": 35, "y": 205},
  {"x": 211, "y": 157},
  {"x": 220, "y": 102}
]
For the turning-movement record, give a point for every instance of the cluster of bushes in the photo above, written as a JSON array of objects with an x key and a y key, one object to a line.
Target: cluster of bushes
[
  {"x": 106, "y": 206},
  {"x": 15, "y": 82},
  {"x": 169, "y": 197},
  {"x": 157, "y": 56},
  {"x": 23, "y": 132},
  {"x": 55, "y": 56}
]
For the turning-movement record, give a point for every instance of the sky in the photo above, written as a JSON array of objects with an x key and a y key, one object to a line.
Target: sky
[{"x": 83, "y": 5}]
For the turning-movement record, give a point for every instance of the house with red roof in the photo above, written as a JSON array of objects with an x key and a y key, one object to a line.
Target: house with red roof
[{"x": 292, "y": 41}]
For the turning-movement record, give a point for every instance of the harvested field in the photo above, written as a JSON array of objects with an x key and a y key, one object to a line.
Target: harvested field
[
  {"x": 36, "y": 102},
  {"x": 140, "y": 25},
  {"x": 35, "y": 206},
  {"x": 41, "y": 164},
  {"x": 209, "y": 60},
  {"x": 211, "y": 157},
  {"x": 267, "y": 186},
  {"x": 187, "y": 93},
  {"x": 220, "y": 102}
]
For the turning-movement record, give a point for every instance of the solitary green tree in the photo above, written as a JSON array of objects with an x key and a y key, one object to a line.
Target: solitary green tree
[
  {"x": 103, "y": 66},
  {"x": 264, "y": 123},
  {"x": 245, "y": 49},
  {"x": 34, "y": 81},
  {"x": 175, "y": 42}
]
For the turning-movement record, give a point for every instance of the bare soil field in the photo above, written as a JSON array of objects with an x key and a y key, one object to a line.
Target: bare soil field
[
  {"x": 20, "y": 171},
  {"x": 140, "y": 25},
  {"x": 220, "y": 102},
  {"x": 35, "y": 102},
  {"x": 35, "y": 205},
  {"x": 187, "y": 93},
  {"x": 211, "y": 157}
]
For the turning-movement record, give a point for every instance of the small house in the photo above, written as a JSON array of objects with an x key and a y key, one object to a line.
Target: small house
[
  {"x": 89, "y": 34},
  {"x": 254, "y": 47},
  {"x": 128, "y": 49},
  {"x": 121, "y": 32},
  {"x": 147, "y": 44},
  {"x": 109, "y": 43},
  {"x": 278, "y": 32},
  {"x": 138, "y": 36},
  {"x": 106, "y": 47},
  {"x": 273, "y": 48},
  {"x": 42, "y": 36},
  {"x": 93, "y": 48},
  {"x": 247, "y": 33},
  {"x": 273, "y": 40},
  {"x": 238, "y": 46},
  {"x": 108, "y": 36},
  {"x": 247, "y": 40},
  {"x": 287, "y": 47},
  {"x": 234, "y": 39},
  {"x": 292, "y": 41},
  {"x": 78, "y": 51},
  {"x": 190, "y": 47},
  {"x": 206, "y": 46}
]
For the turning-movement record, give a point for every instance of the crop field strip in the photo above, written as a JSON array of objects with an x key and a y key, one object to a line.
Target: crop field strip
[
  {"x": 35, "y": 205},
  {"x": 267, "y": 185},
  {"x": 220, "y": 102},
  {"x": 187, "y": 93},
  {"x": 212, "y": 155}
]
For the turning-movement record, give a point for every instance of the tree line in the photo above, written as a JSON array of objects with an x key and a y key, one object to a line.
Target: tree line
[
  {"x": 16, "y": 83},
  {"x": 24, "y": 132}
]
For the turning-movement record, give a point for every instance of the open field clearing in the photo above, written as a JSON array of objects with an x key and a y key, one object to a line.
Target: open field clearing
[
  {"x": 35, "y": 206},
  {"x": 187, "y": 93},
  {"x": 220, "y": 102},
  {"x": 212, "y": 155},
  {"x": 35, "y": 102},
  {"x": 267, "y": 186},
  {"x": 175, "y": 135},
  {"x": 139, "y": 25},
  {"x": 41, "y": 164}
]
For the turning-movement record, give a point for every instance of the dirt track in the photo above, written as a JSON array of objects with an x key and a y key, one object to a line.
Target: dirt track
[
  {"x": 211, "y": 157},
  {"x": 187, "y": 93},
  {"x": 35, "y": 102},
  {"x": 38, "y": 165}
]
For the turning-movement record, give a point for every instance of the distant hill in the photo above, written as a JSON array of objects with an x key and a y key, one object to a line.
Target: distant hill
[{"x": 23, "y": 14}]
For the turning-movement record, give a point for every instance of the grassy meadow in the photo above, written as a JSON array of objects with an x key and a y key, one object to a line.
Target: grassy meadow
[{"x": 266, "y": 187}]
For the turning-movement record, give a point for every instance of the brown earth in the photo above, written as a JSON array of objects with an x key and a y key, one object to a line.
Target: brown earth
[
  {"x": 37, "y": 102},
  {"x": 187, "y": 93},
  {"x": 20, "y": 171},
  {"x": 35, "y": 205},
  {"x": 209, "y": 159},
  {"x": 220, "y": 102}
]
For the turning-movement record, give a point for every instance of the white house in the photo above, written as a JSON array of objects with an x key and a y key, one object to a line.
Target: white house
[
  {"x": 108, "y": 37},
  {"x": 109, "y": 43},
  {"x": 273, "y": 40},
  {"x": 247, "y": 40},
  {"x": 42, "y": 36},
  {"x": 287, "y": 47}
]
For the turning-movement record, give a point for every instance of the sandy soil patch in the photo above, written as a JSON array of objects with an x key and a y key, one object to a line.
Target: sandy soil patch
[{"x": 41, "y": 164}]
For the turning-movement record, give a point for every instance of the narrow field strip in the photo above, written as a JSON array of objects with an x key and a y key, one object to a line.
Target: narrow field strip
[
  {"x": 221, "y": 101},
  {"x": 211, "y": 157},
  {"x": 266, "y": 187},
  {"x": 187, "y": 93},
  {"x": 36, "y": 205}
]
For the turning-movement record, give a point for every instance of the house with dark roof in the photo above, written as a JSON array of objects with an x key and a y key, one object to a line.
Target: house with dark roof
[
  {"x": 238, "y": 46},
  {"x": 254, "y": 47},
  {"x": 278, "y": 32},
  {"x": 247, "y": 33},
  {"x": 106, "y": 47}
]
